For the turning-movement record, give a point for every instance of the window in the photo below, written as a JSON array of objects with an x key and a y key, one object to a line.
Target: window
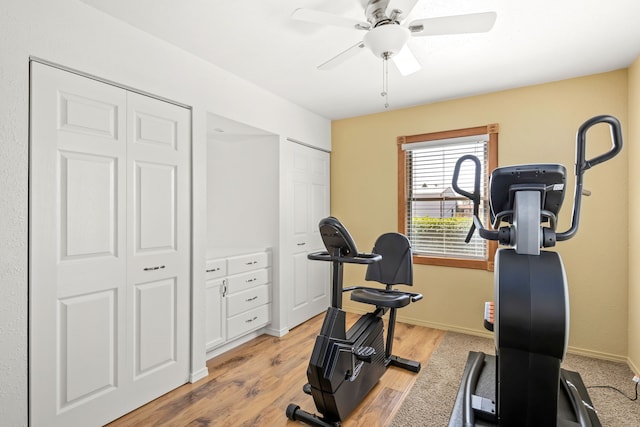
[{"x": 430, "y": 213}]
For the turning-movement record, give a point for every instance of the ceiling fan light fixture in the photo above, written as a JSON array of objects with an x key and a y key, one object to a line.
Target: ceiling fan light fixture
[{"x": 386, "y": 40}]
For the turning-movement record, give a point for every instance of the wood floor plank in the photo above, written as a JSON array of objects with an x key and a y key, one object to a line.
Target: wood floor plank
[{"x": 252, "y": 385}]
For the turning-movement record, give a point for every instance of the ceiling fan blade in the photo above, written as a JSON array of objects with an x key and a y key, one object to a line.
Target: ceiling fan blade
[
  {"x": 457, "y": 24},
  {"x": 342, "y": 56},
  {"x": 324, "y": 18},
  {"x": 406, "y": 62}
]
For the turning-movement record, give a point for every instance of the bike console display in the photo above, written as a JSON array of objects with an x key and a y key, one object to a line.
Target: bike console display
[{"x": 340, "y": 245}]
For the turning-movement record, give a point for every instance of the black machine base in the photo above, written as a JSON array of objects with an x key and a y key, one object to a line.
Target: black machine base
[
  {"x": 574, "y": 405},
  {"x": 400, "y": 362},
  {"x": 295, "y": 413}
]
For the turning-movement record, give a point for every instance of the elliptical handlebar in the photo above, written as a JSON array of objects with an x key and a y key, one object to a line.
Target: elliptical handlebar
[
  {"x": 475, "y": 197},
  {"x": 581, "y": 142},
  {"x": 582, "y": 165}
]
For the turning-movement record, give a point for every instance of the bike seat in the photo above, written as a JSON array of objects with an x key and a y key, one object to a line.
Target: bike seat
[{"x": 381, "y": 298}]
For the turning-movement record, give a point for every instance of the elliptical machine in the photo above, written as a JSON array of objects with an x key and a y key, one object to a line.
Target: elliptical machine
[
  {"x": 523, "y": 384},
  {"x": 345, "y": 365}
]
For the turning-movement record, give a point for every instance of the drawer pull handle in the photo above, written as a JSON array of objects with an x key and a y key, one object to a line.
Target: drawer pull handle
[
  {"x": 251, "y": 320},
  {"x": 302, "y": 244},
  {"x": 157, "y": 267},
  {"x": 251, "y": 262},
  {"x": 213, "y": 269},
  {"x": 251, "y": 299}
]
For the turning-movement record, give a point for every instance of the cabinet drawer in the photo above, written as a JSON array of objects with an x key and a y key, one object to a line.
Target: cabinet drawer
[
  {"x": 246, "y": 300},
  {"x": 243, "y": 263},
  {"x": 241, "y": 282},
  {"x": 248, "y": 321},
  {"x": 216, "y": 268}
]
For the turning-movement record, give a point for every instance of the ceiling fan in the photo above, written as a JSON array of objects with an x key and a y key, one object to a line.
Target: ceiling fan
[{"x": 386, "y": 33}]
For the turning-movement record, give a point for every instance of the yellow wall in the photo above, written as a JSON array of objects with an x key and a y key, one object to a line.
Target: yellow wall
[
  {"x": 537, "y": 124},
  {"x": 634, "y": 208}
]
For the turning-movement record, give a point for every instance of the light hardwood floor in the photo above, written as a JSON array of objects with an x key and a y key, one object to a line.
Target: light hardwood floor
[{"x": 253, "y": 384}]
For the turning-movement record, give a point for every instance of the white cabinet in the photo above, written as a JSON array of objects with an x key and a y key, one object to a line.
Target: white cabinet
[
  {"x": 238, "y": 296},
  {"x": 215, "y": 315},
  {"x": 216, "y": 309}
]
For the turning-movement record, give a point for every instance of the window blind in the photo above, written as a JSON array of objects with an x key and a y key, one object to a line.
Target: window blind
[{"x": 438, "y": 219}]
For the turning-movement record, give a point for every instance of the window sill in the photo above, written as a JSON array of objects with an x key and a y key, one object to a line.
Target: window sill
[{"x": 454, "y": 262}]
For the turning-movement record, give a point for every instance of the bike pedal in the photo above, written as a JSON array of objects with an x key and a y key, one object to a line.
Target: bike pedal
[
  {"x": 307, "y": 388},
  {"x": 364, "y": 353}
]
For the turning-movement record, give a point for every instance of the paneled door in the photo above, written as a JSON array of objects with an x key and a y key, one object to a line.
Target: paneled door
[
  {"x": 109, "y": 238},
  {"x": 309, "y": 203}
]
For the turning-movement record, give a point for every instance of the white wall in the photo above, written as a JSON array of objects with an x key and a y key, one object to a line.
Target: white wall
[
  {"x": 75, "y": 35},
  {"x": 242, "y": 192}
]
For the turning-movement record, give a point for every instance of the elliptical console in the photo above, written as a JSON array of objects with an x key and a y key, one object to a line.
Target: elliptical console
[{"x": 523, "y": 384}]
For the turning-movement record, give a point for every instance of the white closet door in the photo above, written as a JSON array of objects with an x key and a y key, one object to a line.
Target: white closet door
[
  {"x": 309, "y": 201},
  {"x": 103, "y": 339},
  {"x": 158, "y": 242}
]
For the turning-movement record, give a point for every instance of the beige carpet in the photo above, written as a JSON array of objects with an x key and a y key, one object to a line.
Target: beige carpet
[{"x": 431, "y": 399}]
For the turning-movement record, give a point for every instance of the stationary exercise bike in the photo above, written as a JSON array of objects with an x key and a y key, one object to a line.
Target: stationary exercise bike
[
  {"x": 345, "y": 365},
  {"x": 523, "y": 384}
]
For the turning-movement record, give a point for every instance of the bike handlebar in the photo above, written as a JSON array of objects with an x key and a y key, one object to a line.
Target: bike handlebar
[{"x": 360, "y": 258}]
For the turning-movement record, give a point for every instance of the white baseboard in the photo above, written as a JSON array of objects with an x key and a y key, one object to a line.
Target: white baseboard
[
  {"x": 198, "y": 375},
  {"x": 446, "y": 327},
  {"x": 434, "y": 325},
  {"x": 484, "y": 333},
  {"x": 597, "y": 354},
  {"x": 633, "y": 366},
  {"x": 277, "y": 332}
]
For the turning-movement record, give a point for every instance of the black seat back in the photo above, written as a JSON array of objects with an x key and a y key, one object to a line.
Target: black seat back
[{"x": 396, "y": 266}]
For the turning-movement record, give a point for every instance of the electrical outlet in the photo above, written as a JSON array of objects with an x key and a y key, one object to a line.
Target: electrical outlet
[{"x": 636, "y": 379}]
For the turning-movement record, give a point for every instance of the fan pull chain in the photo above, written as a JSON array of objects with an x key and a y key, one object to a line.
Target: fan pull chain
[{"x": 385, "y": 79}]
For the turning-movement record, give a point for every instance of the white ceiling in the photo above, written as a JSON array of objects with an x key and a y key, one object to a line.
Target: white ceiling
[{"x": 532, "y": 42}]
